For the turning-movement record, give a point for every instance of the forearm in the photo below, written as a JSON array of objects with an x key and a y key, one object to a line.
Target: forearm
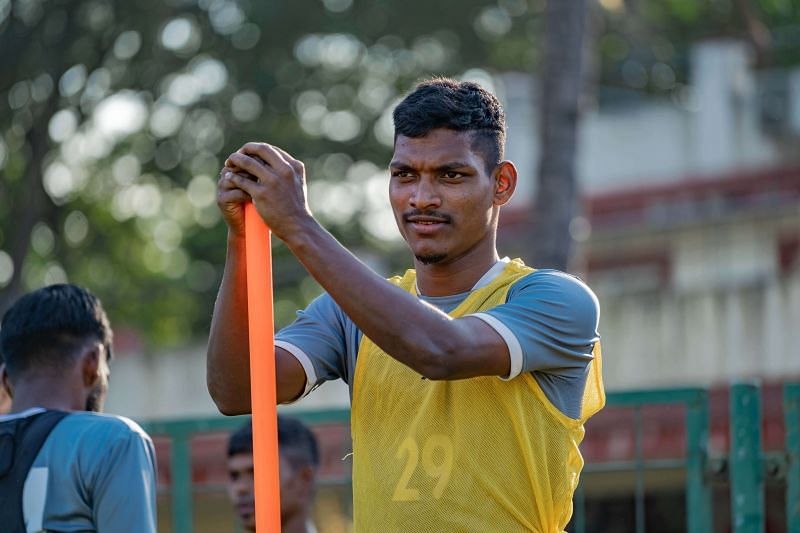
[
  {"x": 413, "y": 332},
  {"x": 228, "y": 363}
]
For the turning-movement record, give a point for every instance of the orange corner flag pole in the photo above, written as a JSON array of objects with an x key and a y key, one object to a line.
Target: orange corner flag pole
[{"x": 262, "y": 372}]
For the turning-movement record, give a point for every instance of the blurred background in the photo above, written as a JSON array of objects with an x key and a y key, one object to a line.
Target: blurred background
[{"x": 657, "y": 143}]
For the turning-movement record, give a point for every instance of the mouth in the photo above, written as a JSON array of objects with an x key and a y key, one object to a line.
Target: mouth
[
  {"x": 245, "y": 509},
  {"x": 426, "y": 225}
]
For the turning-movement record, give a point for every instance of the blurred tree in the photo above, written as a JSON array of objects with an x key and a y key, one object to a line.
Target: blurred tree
[
  {"x": 116, "y": 115},
  {"x": 562, "y": 86},
  {"x": 119, "y": 115}
]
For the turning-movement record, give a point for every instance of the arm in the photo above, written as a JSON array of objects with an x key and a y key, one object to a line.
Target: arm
[
  {"x": 124, "y": 491},
  {"x": 228, "y": 356},
  {"x": 551, "y": 319},
  {"x": 413, "y": 332}
]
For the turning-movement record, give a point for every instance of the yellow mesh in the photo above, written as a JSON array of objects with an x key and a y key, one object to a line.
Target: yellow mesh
[{"x": 478, "y": 454}]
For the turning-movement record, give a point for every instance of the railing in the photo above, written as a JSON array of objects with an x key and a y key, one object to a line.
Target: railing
[
  {"x": 180, "y": 433},
  {"x": 791, "y": 417},
  {"x": 698, "y": 493},
  {"x": 746, "y": 466}
]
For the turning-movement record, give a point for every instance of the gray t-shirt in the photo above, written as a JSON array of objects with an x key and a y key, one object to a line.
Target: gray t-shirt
[
  {"x": 95, "y": 472},
  {"x": 549, "y": 322}
]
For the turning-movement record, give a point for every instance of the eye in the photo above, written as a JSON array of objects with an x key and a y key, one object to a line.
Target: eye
[
  {"x": 402, "y": 175},
  {"x": 452, "y": 175}
]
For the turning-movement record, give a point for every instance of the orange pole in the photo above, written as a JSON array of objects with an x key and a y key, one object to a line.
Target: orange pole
[{"x": 263, "y": 393}]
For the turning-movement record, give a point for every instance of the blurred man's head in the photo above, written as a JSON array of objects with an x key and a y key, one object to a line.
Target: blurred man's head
[
  {"x": 299, "y": 459},
  {"x": 57, "y": 341}
]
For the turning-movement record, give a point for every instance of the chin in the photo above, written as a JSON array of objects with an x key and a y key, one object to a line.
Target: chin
[
  {"x": 431, "y": 259},
  {"x": 429, "y": 256}
]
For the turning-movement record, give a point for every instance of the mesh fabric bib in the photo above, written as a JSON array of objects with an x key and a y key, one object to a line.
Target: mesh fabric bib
[{"x": 479, "y": 454}]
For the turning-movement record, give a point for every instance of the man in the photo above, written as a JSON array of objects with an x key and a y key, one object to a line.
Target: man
[
  {"x": 299, "y": 459},
  {"x": 470, "y": 376},
  {"x": 64, "y": 466}
]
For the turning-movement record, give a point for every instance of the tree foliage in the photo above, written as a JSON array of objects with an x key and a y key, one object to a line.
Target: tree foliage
[{"x": 116, "y": 117}]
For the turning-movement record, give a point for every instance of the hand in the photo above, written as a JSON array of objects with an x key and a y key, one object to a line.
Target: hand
[
  {"x": 274, "y": 180},
  {"x": 231, "y": 200}
]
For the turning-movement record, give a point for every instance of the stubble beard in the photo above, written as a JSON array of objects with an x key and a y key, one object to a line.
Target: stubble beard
[
  {"x": 431, "y": 259},
  {"x": 96, "y": 400}
]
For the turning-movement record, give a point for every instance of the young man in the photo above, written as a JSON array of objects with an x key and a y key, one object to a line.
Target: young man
[
  {"x": 470, "y": 376},
  {"x": 299, "y": 459},
  {"x": 64, "y": 466}
]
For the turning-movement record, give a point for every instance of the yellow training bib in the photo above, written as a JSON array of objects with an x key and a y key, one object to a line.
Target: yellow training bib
[{"x": 479, "y": 454}]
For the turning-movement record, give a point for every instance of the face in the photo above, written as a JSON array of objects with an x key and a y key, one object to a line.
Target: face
[
  {"x": 444, "y": 201},
  {"x": 99, "y": 390},
  {"x": 296, "y": 487},
  {"x": 240, "y": 488}
]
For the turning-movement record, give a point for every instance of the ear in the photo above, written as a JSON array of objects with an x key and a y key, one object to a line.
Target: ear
[
  {"x": 91, "y": 363},
  {"x": 6, "y": 382},
  {"x": 505, "y": 182}
]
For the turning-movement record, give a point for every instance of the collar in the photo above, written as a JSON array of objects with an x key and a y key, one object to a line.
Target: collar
[
  {"x": 490, "y": 275},
  {"x": 23, "y": 414}
]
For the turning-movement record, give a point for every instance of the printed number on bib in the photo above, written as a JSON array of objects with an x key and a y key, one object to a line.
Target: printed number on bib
[{"x": 437, "y": 463}]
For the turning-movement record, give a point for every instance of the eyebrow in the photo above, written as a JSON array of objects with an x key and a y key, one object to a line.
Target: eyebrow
[{"x": 453, "y": 165}]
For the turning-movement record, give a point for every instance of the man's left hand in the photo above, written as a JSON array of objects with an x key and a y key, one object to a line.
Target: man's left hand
[{"x": 277, "y": 185}]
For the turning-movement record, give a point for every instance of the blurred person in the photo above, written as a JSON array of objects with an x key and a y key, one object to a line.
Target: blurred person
[
  {"x": 470, "y": 376},
  {"x": 298, "y": 463},
  {"x": 65, "y": 466}
]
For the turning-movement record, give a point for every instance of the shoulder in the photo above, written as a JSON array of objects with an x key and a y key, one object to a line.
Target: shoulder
[
  {"x": 103, "y": 426},
  {"x": 555, "y": 289},
  {"x": 553, "y": 284}
]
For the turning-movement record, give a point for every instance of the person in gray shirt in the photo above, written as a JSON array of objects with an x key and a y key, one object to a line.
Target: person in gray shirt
[{"x": 93, "y": 472}]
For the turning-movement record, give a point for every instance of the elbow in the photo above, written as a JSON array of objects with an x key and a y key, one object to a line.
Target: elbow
[
  {"x": 438, "y": 364},
  {"x": 436, "y": 373},
  {"x": 230, "y": 410},
  {"x": 226, "y": 403}
]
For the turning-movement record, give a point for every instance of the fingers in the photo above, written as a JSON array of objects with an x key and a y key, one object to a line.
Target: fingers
[
  {"x": 233, "y": 196},
  {"x": 224, "y": 181},
  {"x": 271, "y": 155},
  {"x": 250, "y": 165},
  {"x": 296, "y": 164},
  {"x": 245, "y": 184},
  {"x": 227, "y": 190}
]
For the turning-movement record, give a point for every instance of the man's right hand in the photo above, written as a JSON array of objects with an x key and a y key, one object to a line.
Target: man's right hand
[{"x": 231, "y": 200}]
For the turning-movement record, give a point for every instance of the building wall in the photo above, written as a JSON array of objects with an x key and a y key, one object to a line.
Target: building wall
[
  {"x": 172, "y": 384},
  {"x": 713, "y": 322}
]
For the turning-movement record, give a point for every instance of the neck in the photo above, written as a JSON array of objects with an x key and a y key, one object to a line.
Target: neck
[
  {"x": 47, "y": 393},
  {"x": 295, "y": 523},
  {"x": 459, "y": 274}
]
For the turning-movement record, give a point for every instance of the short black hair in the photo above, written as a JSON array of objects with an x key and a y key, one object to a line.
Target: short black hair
[
  {"x": 45, "y": 329},
  {"x": 295, "y": 440},
  {"x": 459, "y": 106}
]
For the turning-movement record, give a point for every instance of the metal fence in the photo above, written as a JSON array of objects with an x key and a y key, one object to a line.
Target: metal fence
[
  {"x": 745, "y": 467},
  {"x": 698, "y": 493}
]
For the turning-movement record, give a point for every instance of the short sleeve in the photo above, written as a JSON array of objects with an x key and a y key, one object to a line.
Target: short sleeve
[
  {"x": 549, "y": 322},
  {"x": 317, "y": 340},
  {"x": 124, "y": 491}
]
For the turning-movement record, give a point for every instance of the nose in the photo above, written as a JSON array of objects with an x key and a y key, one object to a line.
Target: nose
[
  {"x": 242, "y": 487},
  {"x": 425, "y": 195}
]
